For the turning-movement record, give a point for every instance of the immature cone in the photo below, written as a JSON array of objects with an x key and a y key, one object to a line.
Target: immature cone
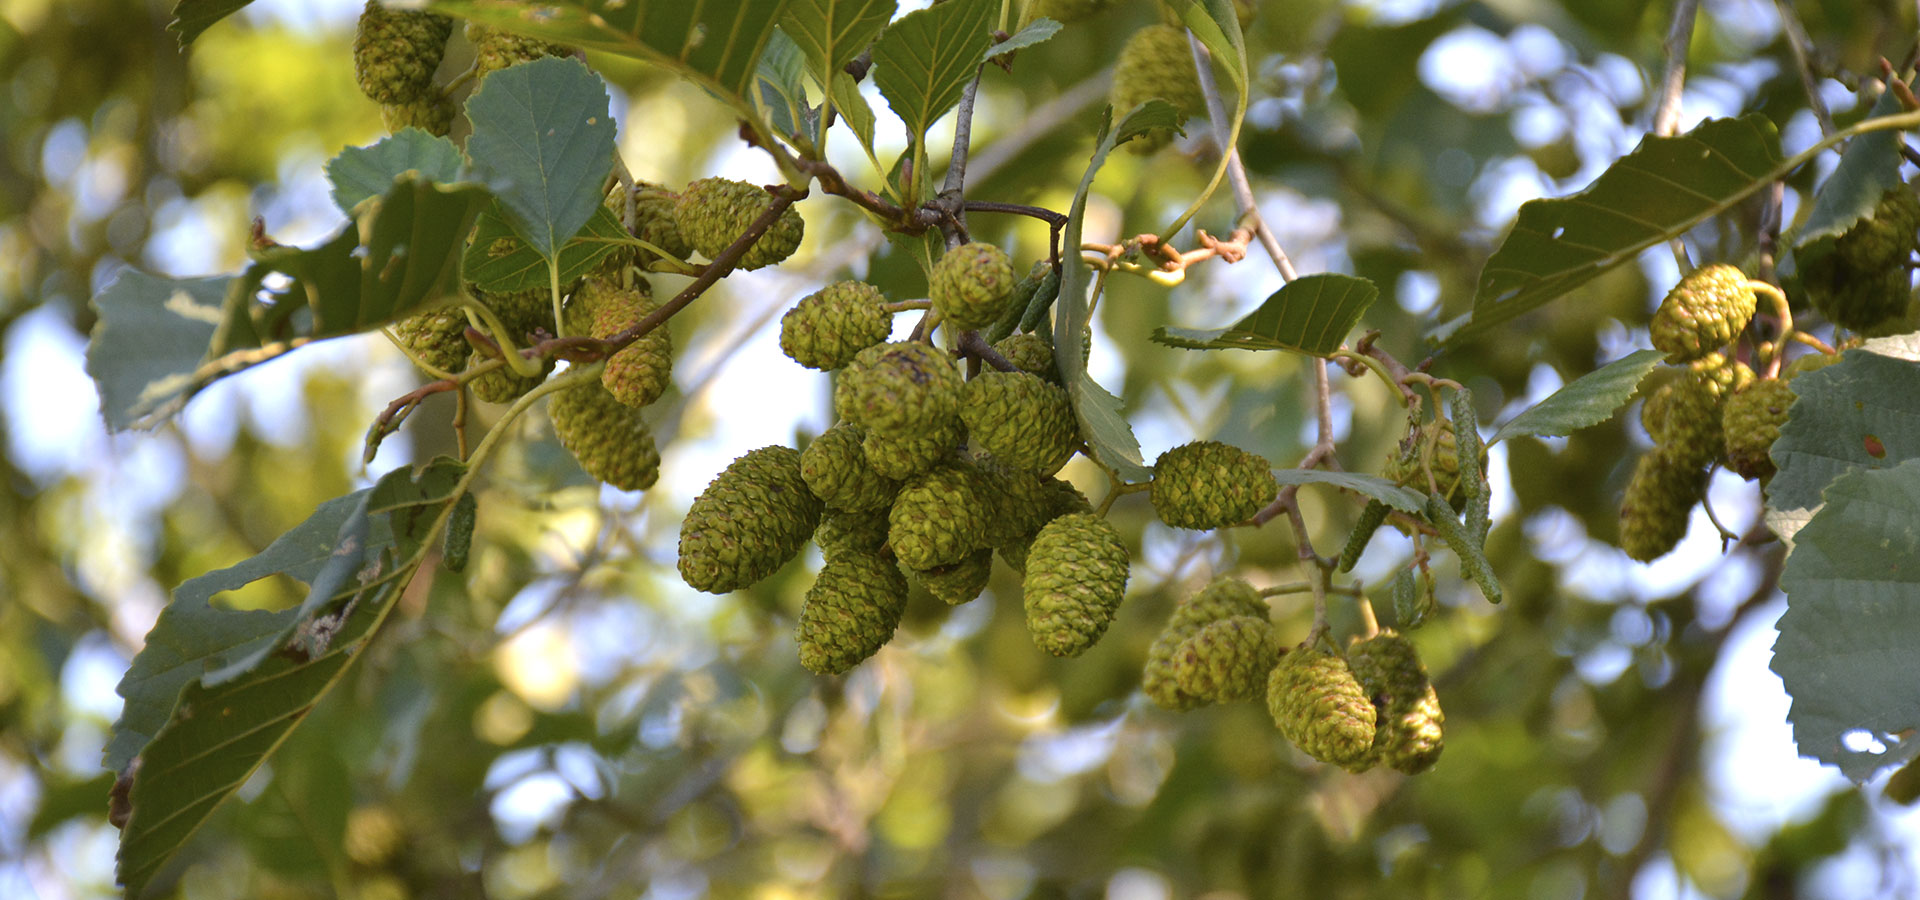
[
  {"x": 396, "y": 51},
  {"x": 642, "y": 370},
  {"x": 751, "y": 519},
  {"x": 1076, "y": 577},
  {"x": 1751, "y": 423},
  {"x": 971, "y": 284},
  {"x": 836, "y": 470},
  {"x": 432, "y": 114},
  {"x": 438, "y": 338},
  {"x": 1023, "y": 518},
  {"x": 1023, "y": 421},
  {"x": 609, "y": 438},
  {"x": 494, "y": 49},
  {"x": 1029, "y": 353},
  {"x": 1066, "y": 12},
  {"x": 503, "y": 384},
  {"x": 904, "y": 389},
  {"x": 850, "y": 612},
  {"x": 939, "y": 517},
  {"x": 652, "y": 221},
  {"x": 1864, "y": 280},
  {"x": 1720, "y": 374},
  {"x": 1223, "y": 598},
  {"x": 1407, "y": 732},
  {"x": 1227, "y": 659},
  {"x": 1704, "y": 312},
  {"x": 712, "y": 212},
  {"x": 1320, "y": 707},
  {"x": 902, "y": 457},
  {"x": 1207, "y": 484},
  {"x": 845, "y": 532},
  {"x": 1812, "y": 362},
  {"x": 827, "y": 328},
  {"x": 959, "y": 582},
  {"x": 1684, "y": 416},
  {"x": 1156, "y": 62},
  {"x": 1403, "y": 467},
  {"x": 1653, "y": 517}
]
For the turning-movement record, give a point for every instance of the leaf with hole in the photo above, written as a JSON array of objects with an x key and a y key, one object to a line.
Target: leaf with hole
[
  {"x": 1664, "y": 187},
  {"x": 1845, "y": 647}
]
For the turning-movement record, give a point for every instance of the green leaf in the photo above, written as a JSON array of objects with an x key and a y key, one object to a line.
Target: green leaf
[
  {"x": 922, "y": 62},
  {"x": 1845, "y": 650},
  {"x": 361, "y": 172},
  {"x": 271, "y": 668},
  {"x": 191, "y": 17},
  {"x": 1106, "y": 430},
  {"x": 714, "y": 43},
  {"x": 1155, "y": 113},
  {"x": 1664, "y": 187},
  {"x": 1588, "y": 400},
  {"x": 1217, "y": 26},
  {"x": 497, "y": 260},
  {"x": 1311, "y": 315},
  {"x": 1869, "y": 167},
  {"x": 1473, "y": 561},
  {"x": 1038, "y": 31},
  {"x": 833, "y": 32},
  {"x": 1370, "y": 486},
  {"x": 1860, "y": 413},
  {"x": 854, "y": 110},
  {"x": 150, "y": 338},
  {"x": 782, "y": 95},
  {"x": 543, "y": 142}
]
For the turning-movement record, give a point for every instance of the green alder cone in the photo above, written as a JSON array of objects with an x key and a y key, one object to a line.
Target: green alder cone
[
  {"x": 1812, "y": 362},
  {"x": 971, "y": 285},
  {"x": 713, "y": 212},
  {"x": 1227, "y": 659},
  {"x": 1223, "y": 598},
  {"x": 432, "y": 114},
  {"x": 903, "y": 389},
  {"x": 1320, "y": 707},
  {"x": 1407, "y": 732},
  {"x": 1863, "y": 281},
  {"x": 1029, "y": 353},
  {"x": 524, "y": 315},
  {"x": 609, "y": 438},
  {"x": 852, "y": 532},
  {"x": 1704, "y": 312},
  {"x": 900, "y": 458},
  {"x": 1684, "y": 416},
  {"x": 836, "y": 470},
  {"x": 643, "y": 370},
  {"x": 652, "y": 222},
  {"x": 1720, "y": 374},
  {"x": 752, "y": 518},
  {"x": 1023, "y": 518},
  {"x": 395, "y": 53},
  {"x": 1403, "y": 467},
  {"x": 1066, "y": 12},
  {"x": 1208, "y": 484},
  {"x": 829, "y": 327},
  {"x": 850, "y": 612},
  {"x": 1750, "y": 424},
  {"x": 1660, "y": 496},
  {"x": 959, "y": 582},
  {"x": 1076, "y": 577},
  {"x": 1156, "y": 62},
  {"x": 494, "y": 49},
  {"x": 1023, "y": 421},
  {"x": 438, "y": 338},
  {"x": 939, "y": 518}
]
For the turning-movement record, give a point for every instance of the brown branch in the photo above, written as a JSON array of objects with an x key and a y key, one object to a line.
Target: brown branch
[{"x": 974, "y": 347}]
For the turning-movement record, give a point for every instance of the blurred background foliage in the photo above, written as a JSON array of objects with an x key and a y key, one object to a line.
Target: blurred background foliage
[{"x": 565, "y": 719}]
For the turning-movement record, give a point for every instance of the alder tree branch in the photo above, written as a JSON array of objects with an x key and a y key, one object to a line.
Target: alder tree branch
[
  {"x": 974, "y": 347},
  {"x": 1802, "y": 46},
  {"x": 1666, "y": 115},
  {"x": 953, "y": 191}
]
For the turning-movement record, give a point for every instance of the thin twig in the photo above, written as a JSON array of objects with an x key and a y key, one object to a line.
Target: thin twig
[
  {"x": 1802, "y": 46},
  {"x": 1666, "y": 116},
  {"x": 1040, "y": 122},
  {"x": 974, "y": 347}
]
